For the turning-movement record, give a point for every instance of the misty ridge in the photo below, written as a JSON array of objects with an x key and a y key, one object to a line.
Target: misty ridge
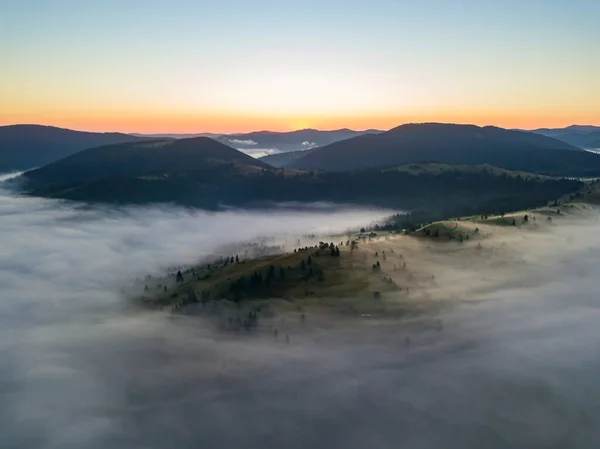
[{"x": 505, "y": 358}]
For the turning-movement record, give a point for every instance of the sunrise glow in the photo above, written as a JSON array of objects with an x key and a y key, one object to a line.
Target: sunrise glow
[{"x": 284, "y": 67}]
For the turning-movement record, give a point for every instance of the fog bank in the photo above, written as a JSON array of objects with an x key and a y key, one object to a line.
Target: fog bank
[{"x": 516, "y": 367}]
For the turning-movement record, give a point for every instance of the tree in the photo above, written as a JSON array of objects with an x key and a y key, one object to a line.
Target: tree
[
  {"x": 363, "y": 230},
  {"x": 146, "y": 288},
  {"x": 232, "y": 259},
  {"x": 303, "y": 265},
  {"x": 237, "y": 259},
  {"x": 179, "y": 276},
  {"x": 309, "y": 261},
  {"x": 165, "y": 289},
  {"x": 514, "y": 222},
  {"x": 525, "y": 218}
]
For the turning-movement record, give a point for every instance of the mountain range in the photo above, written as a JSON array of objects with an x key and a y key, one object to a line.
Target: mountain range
[
  {"x": 276, "y": 141},
  {"x": 584, "y": 136},
  {"x": 441, "y": 169},
  {"x": 453, "y": 144},
  {"x": 27, "y": 146},
  {"x": 24, "y": 147}
]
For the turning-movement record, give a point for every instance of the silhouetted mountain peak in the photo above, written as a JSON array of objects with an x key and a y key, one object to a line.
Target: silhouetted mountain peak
[{"x": 451, "y": 144}]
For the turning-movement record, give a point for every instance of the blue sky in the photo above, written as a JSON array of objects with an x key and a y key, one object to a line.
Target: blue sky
[{"x": 230, "y": 63}]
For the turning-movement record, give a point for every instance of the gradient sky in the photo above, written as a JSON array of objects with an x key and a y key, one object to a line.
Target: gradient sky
[{"x": 241, "y": 65}]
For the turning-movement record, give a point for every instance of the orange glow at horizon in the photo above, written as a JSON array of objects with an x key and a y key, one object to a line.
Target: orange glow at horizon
[{"x": 174, "y": 123}]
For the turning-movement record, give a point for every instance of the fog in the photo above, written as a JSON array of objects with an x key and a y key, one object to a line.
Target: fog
[
  {"x": 259, "y": 152},
  {"x": 515, "y": 364}
]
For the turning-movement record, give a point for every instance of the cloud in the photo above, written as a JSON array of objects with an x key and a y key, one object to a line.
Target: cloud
[
  {"x": 309, "y": 144},
  {"x": 514, "y": 366},
  {"x": 242, "y": 142},
  {"x": 79, "y": 369},
  {"x": 260, "y": 152}
]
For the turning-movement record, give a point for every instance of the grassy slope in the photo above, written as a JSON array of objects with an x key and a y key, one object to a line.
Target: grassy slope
[{"x": 349, "y": 282}]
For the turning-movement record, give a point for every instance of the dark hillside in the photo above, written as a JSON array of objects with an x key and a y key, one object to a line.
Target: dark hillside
[
  {"x": 454, "y": 144},
  {"x": 140, "y": 159},
  {"x": 27, "y": 146}
]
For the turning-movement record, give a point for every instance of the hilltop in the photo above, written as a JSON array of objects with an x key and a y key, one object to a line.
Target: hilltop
[
  {"x": 454, "y": 144},
  {"x": 138, "y": 159},
  {"x": 27, "y": 146},
  {"x": 384, "y": 273}
]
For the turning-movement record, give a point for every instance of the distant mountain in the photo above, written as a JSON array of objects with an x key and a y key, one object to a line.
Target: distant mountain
[
  {"x": 27, "y": 146},
  {"x": 454, "y": 144},
  {"x": 281, "y": 160},
  {"x": 261, "y": 141},
  {"x": 583, "y": 136},
  {"x": 594, "y": 144},
  {"x": 145, "y": 159},
  {"x": 290, "y": 141},
  {"x": 177, "y": 136}
]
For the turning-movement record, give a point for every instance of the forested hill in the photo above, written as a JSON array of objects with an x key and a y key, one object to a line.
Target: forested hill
[
  {"x": 154, "y": 158},
  {"x": 27, "y": 146},
  {"x": 454, "y": 144},
  {"x": 579, "y": 135},
  {"x": 436, "y": 190}
]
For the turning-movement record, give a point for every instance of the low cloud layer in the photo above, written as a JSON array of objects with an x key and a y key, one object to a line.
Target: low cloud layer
[
  {"x": 80, "y": 369},
  {"x": 259, "y": 152},
  {"x": 242, "y": 142}
]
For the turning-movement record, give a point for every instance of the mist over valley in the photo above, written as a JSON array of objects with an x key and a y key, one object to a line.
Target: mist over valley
[{"x": 506, "y": 358}]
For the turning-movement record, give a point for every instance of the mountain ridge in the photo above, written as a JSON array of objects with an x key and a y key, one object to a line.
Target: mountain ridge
[
  {"x": 132, "y": 159},
  {"x": 453, "y": 144},
  {"x": 24, "y": 146}
]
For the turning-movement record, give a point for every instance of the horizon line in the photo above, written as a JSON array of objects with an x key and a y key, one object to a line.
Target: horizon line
[{"x": 196, "y": 133}]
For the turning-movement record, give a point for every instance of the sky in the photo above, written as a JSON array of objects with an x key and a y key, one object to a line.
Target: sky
[{"x": 239, "y": 65}]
